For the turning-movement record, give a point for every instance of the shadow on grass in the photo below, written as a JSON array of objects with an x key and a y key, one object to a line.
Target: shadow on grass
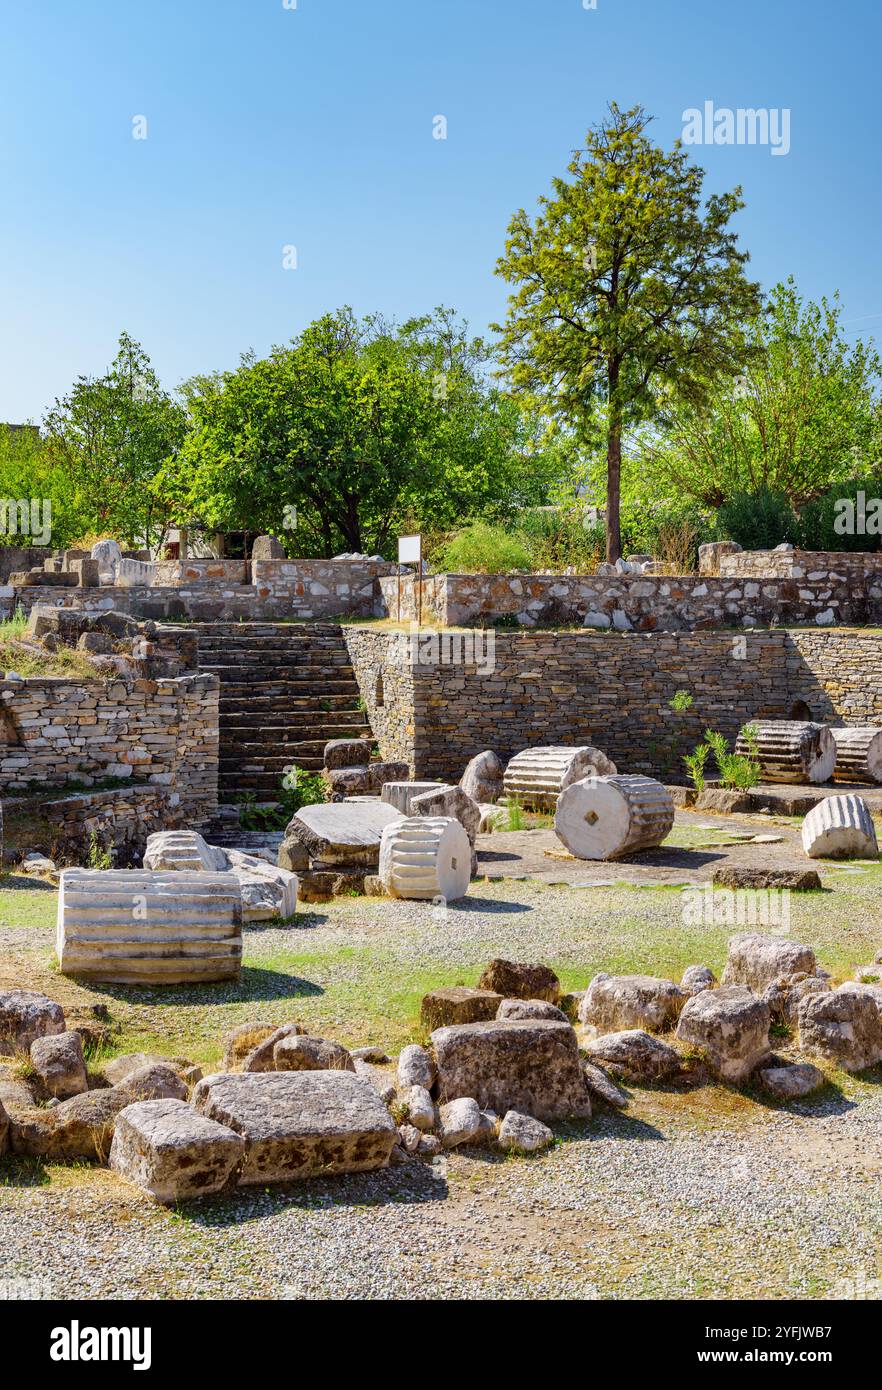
[
  {"x": 301, "y": 922},
  {"x": 253, "y": 983},
  {"x": 19, "y": 1171},
  {"x": 23, "y": 883},
  {"x": 473, "y": 904},
  {"x": 411, "y": 1184}
]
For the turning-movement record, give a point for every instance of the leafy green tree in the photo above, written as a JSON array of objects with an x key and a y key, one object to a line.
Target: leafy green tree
[
  {"x": 109, "y": 436},
  {"x": 28, "y": 473},
  {"x": 630, "y": 291},
  {"x": 803, "y": 414},
  {"x": 352, "y": 429}
]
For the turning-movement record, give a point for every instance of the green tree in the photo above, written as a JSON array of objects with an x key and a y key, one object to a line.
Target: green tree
[
  {"x": 803, "y": 414},
  {"x": 109, "y": 436},
  {"x": 28, "y": 473},
  {"x": 630, "y": 290},
  {"x": 353, "y": 427}
]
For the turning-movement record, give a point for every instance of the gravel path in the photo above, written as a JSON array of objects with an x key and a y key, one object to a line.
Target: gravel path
[{"x": 656, "y": 1203}]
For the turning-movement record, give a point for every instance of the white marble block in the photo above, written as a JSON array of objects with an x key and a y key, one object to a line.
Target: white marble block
[
  {"x": 858, "y": 754},
  {"x": 537, "y": 776},
  {"x": 606, "y": 817},
  {"x": 792, "y": 750},
  {"x": 839, "y": 827},
  {"x": 131, "y": 926},
  {"x": 425, "y": 857}
]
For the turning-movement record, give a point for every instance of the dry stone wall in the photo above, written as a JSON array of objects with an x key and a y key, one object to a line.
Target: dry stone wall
[
  {"x": 638, "y": 602},
  {"x": 161, "y": 732},
  {"x": 120, "y": 818},
  {"x": 609, "y": 689}
]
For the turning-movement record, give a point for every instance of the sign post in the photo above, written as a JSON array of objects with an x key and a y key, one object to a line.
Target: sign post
[{"x": 410, "y": 551}]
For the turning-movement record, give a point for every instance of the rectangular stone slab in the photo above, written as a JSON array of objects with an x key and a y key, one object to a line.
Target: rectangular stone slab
[
  {"x": 300, "y": 1124},
  {"x": 170, "y": 1151},
  {"x": 343, "y": 832},
  {"x": 527, "y": 1065}
]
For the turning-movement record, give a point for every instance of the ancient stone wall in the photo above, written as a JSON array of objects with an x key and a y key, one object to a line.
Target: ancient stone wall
[
  {"x": 817, "y": 566},
  {"x": 162, "y": 732},
  {"x": 120, "y": 818},
  {"x": 640, "y": 602},
  {"x": 611, "y": 689}
]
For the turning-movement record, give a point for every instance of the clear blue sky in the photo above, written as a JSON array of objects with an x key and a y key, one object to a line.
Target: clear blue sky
[{"x": 313, "y": 127}]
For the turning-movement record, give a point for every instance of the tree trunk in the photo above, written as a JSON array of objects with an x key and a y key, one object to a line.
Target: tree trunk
[
  {"x": 613, "y": 471},
  {"x": 614, "y": 474}
]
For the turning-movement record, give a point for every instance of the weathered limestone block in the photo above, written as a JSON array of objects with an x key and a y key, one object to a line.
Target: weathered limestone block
[
  {"x": 530, "y": 1008},
  {"x": 615, "y": 1003},
  {"x": 78, "y": 1128},
  {"x": 730, "y": 1027},
  {"x": 343, "y": 832},
  {"x": 537, "y": 776},
  {"x": 347, "y": 752},
  {"x": 155, "y": 1081},
  {"x": 299, "y": 1124},
  {"x": 710, "y": 554},
  {"x": 459, "y": 1122},
  {"x": 483, "y": 778},
  {"x": 797, "y": 880},
  {"x": 167, "y": 1149},
  {"x": 840, "y": 827},
  {"x": 458, "y": 1004},
  {"x": 530, "y": 1066},
  {"x": 515, "y": 980},
  {"x": 858, "y": 754},
  {"x": 416, "y": 1067},
  {"x": 108, "y": 555},
  {"x": 59, "y": 1064},
  {"x": 299, "y": 1052},
  {"x": 449, "y": 801},
  {"x": 268, "y": 890},
  {"x": 523, "y": 1134},
  {"x": 262, "y": 1056},
  {"x": 696, "y": 978},
  {"x": 757, "y": 960},
  {"x": 420, "y": 1108},
  {"x": 791, "y": 750},
  {"x": 135, "y": 927},
  {"x": 599, "y": 1084},
  {"x": 24, "y": 1016},
  {"x": 182, "y": 851},
  {"x": 133, "y": 574},
  {"x": 425, "y": 858},
  {"x": 267, "y": 548},
  {"x": 606, "y": 817},
  {"x": 792, "y": 1082},
  {"x": 841, "y": 1026},
  {"x": 783, "y": 996},
  {"x": 401, "y": 794}
]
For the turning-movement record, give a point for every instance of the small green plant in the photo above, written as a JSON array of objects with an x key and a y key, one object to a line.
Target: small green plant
[
  {"x": 681, "y": 702},
  {"x": 738, "y": 771},
  {"x": 99, "y": 856},
  {"x": 514, "y": 819},
  {"x": 695, "y": 764},
  {"x": 484, "y": 549}
]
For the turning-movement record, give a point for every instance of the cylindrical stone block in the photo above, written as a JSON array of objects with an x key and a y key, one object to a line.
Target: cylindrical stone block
[
  {"x": 536, "y": 777},
  {"x": 792, "y": 751},
  {"x": 840, "y": 827},
  {"x": 124, "y": 926},
  {"x": 425, "y": 857},
  {"x": 858, "y": 754},
  {"x": 606, "y": 817}
]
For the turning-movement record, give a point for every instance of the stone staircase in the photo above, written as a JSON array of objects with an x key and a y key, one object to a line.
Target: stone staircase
[{"x": 285, "y": 689}]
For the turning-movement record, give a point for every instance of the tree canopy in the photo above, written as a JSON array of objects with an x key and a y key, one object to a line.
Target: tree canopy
[
  {"x": 351, "y": 428},
  {"x": 630, "y": 290}
]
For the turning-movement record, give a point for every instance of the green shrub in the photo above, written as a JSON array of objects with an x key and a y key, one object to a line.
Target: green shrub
[
  {"x": 817, "y": 520},
  {"x": 483, "y": 549},
  {"x": 558, "y": 539},
  {"x": 758, "y": 520}
]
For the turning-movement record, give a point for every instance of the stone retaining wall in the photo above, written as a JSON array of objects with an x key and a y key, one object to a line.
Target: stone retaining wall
[
  {"x": 610, "y": 689},
  {"x": 120, "y": 818},
  {"x": 818, "y": 566},
  {"x": 162, "y": 732},
  {"x": 632, "y": 601},
  {"x": 301, "y": 589}
]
